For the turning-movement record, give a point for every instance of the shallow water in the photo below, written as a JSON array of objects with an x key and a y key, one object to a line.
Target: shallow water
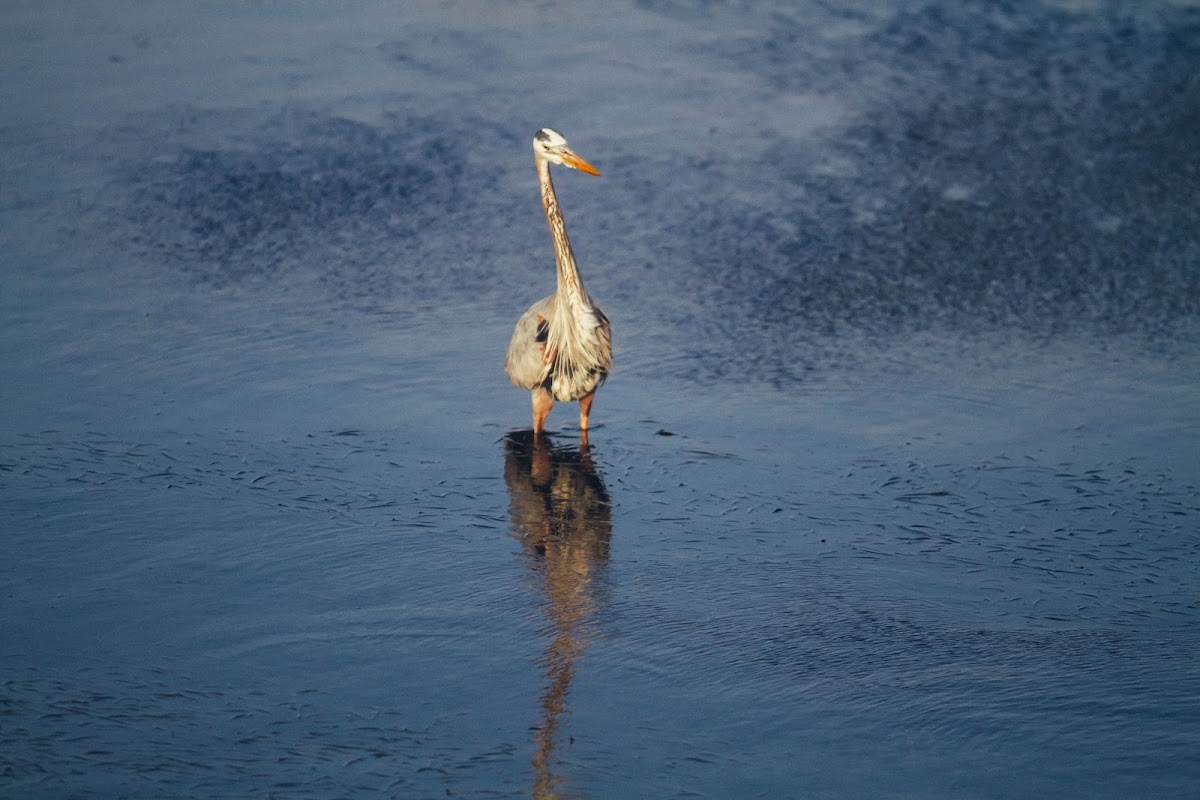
[{"x": 893, "y": 492}]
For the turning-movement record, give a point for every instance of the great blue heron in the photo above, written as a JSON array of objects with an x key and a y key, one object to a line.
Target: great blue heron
[{"x": 561, "y": 348}]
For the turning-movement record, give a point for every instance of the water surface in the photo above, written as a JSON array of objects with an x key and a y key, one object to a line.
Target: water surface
[{"x": 892, "y": 492}]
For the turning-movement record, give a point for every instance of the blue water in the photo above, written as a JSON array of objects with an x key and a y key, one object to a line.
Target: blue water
[{"x": 893, "y": 491}]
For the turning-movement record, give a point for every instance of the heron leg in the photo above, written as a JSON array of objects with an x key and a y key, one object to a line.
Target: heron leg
[
  {"x": 543, "y": 401},
  {"x": 585, "y": 408}
]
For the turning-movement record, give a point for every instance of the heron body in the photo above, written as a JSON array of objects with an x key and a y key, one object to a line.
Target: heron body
[{"x": 561, "y": 348}]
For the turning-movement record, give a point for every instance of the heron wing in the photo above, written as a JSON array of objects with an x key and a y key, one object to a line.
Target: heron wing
[{"x": 525, "y": 362}]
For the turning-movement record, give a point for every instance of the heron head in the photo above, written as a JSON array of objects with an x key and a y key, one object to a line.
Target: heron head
[{"x": 550, "y": 145}]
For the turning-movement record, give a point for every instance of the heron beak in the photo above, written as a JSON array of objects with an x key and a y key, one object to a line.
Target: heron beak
[{"x": 571, "y": 160}]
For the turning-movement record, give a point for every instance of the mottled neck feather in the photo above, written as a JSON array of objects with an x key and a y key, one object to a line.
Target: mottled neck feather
[{"x": 570, "y": 285}]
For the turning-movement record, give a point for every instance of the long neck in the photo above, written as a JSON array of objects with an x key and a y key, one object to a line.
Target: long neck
[{"x": 570, "y": 285}]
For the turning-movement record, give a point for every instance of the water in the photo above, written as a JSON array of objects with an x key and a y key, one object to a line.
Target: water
[{"x": 892, "y": 493}]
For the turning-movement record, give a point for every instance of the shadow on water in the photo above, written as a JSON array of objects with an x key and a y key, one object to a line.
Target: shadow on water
[{"x": 561, "y": 512}]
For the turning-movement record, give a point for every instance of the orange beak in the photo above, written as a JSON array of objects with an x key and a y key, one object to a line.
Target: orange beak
[{"x": 571, "y": 160}]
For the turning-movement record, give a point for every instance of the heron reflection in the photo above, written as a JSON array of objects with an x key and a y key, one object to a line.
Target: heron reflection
[{"x": 561, "y": 511}]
